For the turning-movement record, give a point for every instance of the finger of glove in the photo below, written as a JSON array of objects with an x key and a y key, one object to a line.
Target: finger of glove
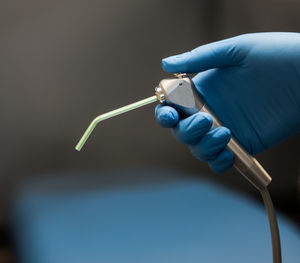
[
  {"x": 223, "y": 162},
  {"x": 191, "y": 129},
  {"x": 166, "y": 116},
  {"x": 214, "y": 55},
  {"x": 211, "y": 144}
]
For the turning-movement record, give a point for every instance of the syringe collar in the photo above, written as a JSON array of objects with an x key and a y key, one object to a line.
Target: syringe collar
[{"x": 161, "y": 96}]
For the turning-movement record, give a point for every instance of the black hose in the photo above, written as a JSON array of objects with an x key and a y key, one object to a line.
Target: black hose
[{"x": 276, "y": 247}]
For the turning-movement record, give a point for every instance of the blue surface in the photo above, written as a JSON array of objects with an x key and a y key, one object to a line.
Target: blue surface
[{"x": 187, "y": 221}]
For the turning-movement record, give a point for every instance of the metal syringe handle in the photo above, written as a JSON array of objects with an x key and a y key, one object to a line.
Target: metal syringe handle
[
  {"x": 181, "y": 93},
  {"x": 246, "y": 164}
]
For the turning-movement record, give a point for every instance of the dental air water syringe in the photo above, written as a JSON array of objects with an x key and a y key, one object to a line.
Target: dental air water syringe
[{"x": 181, "y": 93}]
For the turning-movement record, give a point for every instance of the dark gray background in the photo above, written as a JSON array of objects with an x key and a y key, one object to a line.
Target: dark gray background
[{"x": 62, "y": 62}]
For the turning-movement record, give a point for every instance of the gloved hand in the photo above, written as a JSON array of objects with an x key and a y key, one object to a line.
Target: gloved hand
[{"x": 252, "y": 84}]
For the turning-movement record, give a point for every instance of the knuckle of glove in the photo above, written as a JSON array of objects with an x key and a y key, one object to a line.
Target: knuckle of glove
[
  {"x": 191, "y": 129},
  {"x": 211, "y": 144},
  {"x": 223, "y": 162}
]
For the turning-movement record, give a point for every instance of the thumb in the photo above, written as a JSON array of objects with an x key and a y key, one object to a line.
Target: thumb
[{"x": 214, "y": 55}]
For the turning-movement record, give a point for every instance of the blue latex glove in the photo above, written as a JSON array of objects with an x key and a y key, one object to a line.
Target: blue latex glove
[{"x": 251, "y": 82}]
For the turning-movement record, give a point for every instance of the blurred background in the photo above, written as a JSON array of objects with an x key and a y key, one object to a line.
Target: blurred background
[{"x": 64, "y": 62}]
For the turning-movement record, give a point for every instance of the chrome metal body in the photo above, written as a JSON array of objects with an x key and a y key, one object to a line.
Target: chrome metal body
[{"x": 180, "y": 92}]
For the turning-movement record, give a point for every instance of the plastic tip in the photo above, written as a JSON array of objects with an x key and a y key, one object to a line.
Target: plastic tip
[
  {"x": 80, "y": 144},
  {"x": 77, "y": 148}
]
